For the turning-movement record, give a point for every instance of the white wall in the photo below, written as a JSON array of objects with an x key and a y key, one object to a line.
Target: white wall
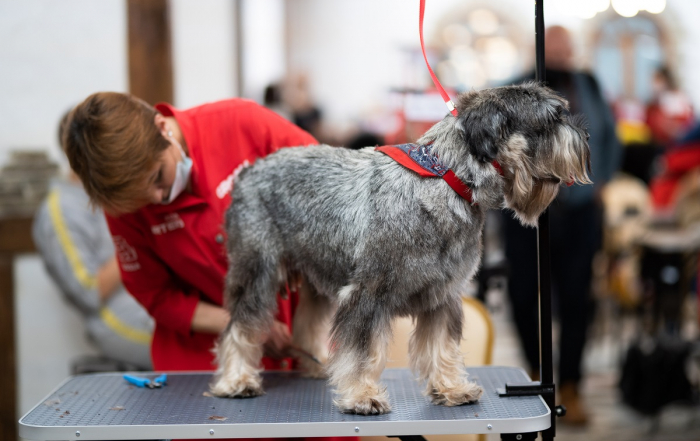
[
  {"x": 264, "y": 57},
  {"x": 354, "y": 52},
  {"x": 53, "y": 54},
  {"x": 684, "y": 16},
  {"x": 204, "y": 51}
]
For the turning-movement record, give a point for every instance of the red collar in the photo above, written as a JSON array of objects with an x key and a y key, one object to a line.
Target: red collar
[{"x": 421, "y": 160}]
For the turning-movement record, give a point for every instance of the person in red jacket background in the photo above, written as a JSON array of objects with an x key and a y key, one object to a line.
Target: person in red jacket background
[{"x": 669, "y": 115}]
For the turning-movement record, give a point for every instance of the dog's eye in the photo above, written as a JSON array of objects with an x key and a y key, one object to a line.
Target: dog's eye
[{"x": 588, "y": 136}]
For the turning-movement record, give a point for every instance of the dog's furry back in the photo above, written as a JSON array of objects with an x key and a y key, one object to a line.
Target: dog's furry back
[{"x": 339, "y": 215}]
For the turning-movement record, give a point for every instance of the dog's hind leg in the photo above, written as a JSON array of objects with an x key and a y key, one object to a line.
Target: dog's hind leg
[
  {"x": 251, "y": 299},
  {"x": 238, "y": 355},
  {"x": 360, "y": 337},
  {"x": 310, "y": 329},
  {"x": 435, "y": 355}
]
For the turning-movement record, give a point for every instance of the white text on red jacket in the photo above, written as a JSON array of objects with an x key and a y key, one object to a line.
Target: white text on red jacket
[
  {"x": 226, "y": 185},
  {"x": 172, "y": 222}
]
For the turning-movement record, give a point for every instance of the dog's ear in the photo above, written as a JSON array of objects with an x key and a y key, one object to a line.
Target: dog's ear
[
  {"x": 518, "y": 171},
  {"x": 482, "y": 129}
]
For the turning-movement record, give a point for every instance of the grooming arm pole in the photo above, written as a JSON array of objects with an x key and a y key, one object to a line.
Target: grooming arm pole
[
  {"x": 545, "y": 387},
  {"x": 543, "y": 258}
]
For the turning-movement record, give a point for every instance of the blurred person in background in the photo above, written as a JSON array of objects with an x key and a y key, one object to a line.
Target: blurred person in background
[
  {"x": 272, "y": 99},
  {"x": 304, "y": 111},
  {"x": 681, "y": 158},
  {"x": 364, "y": 139},
  {"x": 575, "y": 229},
  {"x": 78, "y": 253},
  {"x": 674, "y": 131},
  {"x": 669, "y": 115}
]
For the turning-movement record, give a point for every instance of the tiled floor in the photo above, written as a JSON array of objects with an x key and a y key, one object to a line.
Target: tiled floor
[{"x": 610, "y": 420}]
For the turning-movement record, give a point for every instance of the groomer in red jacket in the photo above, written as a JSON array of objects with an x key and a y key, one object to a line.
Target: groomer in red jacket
[{"x": 164, "y": 178}]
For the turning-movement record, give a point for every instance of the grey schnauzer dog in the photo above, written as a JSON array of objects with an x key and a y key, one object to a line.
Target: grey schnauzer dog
[{"x": 375, "y": 241}]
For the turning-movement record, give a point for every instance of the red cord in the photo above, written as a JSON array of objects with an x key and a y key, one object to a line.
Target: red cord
[{"x": 445, "y": 97}]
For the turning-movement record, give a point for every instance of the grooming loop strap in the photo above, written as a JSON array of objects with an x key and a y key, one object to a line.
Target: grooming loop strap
[{"x": 450, "y": 105}]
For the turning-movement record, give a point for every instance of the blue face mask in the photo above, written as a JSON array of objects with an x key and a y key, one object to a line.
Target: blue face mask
[{"x": 183, "y": 169}]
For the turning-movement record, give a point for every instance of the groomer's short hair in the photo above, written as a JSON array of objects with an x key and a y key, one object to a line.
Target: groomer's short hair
[{"x": 112, "y": 143}]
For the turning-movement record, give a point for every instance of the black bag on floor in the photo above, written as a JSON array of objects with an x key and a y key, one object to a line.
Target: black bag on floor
[{"x": 654, "y": 375}]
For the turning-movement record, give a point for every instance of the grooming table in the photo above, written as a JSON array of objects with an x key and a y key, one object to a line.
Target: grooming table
[{"x": 105, "y": 406}]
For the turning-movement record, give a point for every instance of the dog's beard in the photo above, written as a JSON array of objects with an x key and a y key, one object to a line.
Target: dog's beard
[
  {"x": 529, "y": 206},
  {"x": 570, "y": 157},
  {"x": 534, "y": 182}
]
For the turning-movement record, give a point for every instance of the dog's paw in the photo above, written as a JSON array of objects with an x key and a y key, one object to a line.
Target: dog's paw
[
  {"x": 365, "y": 406},
  {"x": 373, "y": 400},
  {"x": 245, "y": 386},
  {"x": 467, "y": 392}
]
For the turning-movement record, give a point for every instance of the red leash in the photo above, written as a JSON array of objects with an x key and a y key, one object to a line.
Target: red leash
[{"x": 445, "y": 97}]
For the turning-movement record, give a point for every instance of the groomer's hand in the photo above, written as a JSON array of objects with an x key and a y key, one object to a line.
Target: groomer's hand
[
  {"x": 209, "y": 318},
  {"x": 278, "y": 341}
]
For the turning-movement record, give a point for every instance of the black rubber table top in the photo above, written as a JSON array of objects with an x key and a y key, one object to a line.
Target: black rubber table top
[{"x": 105, "y": 406}]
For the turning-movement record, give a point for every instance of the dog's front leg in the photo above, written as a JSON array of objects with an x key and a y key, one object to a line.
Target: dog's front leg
[
  {"x": 435, "y": 355},
  {"x": 358, "y": 355},
  {"x": 238, "y": 355},
  {"x": 310, "y": 329}
]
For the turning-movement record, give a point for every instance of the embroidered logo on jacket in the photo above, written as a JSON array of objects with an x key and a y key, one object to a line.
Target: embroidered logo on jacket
[{"x": 126, "y": 254}]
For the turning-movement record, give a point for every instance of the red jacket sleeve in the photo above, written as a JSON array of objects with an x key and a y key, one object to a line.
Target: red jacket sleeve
[{"x": 148, "y": 279}]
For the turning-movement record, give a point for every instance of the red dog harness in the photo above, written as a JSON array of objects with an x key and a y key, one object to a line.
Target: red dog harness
[{"x": 420, "y": 159}]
